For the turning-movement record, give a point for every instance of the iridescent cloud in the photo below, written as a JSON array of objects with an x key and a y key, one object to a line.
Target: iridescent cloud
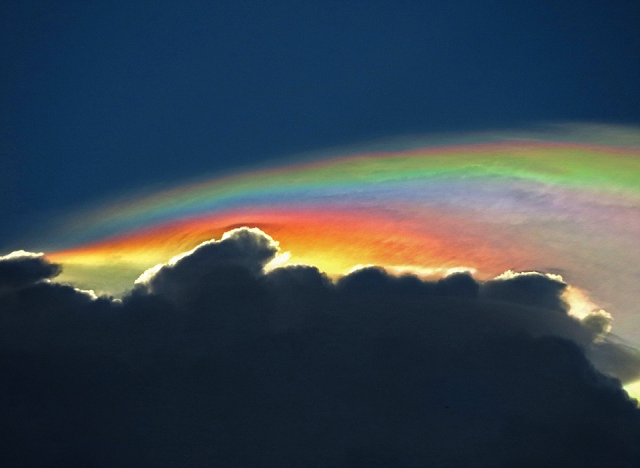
[{"x": 566, "y": 202}]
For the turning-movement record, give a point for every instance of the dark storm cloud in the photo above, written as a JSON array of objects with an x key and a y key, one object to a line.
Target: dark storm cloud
[
  {"x": 376, "y": 279},
  {"x": 246, "y": 250},
  {"x": 210, "y": 361},
  {"x": 529, "y": 289},
  {"x": 23, "y": 268}
]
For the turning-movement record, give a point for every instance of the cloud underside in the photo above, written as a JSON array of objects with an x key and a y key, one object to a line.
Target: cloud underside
[{"x": 211, "y": 361}]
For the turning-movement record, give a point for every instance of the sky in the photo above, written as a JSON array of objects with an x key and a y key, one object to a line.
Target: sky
[
  {"x": 453, "y": 141},
  {"x": 105, "y": 98}
]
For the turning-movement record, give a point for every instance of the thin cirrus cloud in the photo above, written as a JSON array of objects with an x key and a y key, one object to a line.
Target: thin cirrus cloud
[
  {"x": 565, "y": 199},
  {"x": 215, "y": 357}
]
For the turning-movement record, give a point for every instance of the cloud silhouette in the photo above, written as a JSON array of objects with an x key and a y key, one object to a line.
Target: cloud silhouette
[
  {"x": 21, "y": 268},
  {"x": 210, "y": 360},
  {"x": 244, "y": 248},
  {"x": 529, "y": 289}
]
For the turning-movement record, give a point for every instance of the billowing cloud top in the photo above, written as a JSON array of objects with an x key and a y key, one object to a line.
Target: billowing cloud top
[
  {"x": 246, "y": 248},
  {"x": 23, "y": 268},
  {"x": 213, "y": 359}
]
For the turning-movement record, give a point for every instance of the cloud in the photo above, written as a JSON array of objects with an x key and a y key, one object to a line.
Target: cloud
[
  {"x": 22, "y": 268},
  {"x": 213, "y": 359},
  {"x": 240, "y": 249},
  {"x": 529, "y": 289}
]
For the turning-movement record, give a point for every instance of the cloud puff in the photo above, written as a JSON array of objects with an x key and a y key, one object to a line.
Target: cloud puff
[
  {"x": 22, "y": 268},
  {"x": 244, "y": 248},
  {"x": 529, "y": 289},
  {"x": 211, "y": 360}
]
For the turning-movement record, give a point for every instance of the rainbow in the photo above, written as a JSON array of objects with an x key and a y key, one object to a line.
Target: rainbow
[{"x": 511, "y": 203}]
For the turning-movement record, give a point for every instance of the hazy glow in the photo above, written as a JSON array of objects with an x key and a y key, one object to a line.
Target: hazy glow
[
  {"x": 634, "y": 391},
  {"x": 580, "y": 304}
]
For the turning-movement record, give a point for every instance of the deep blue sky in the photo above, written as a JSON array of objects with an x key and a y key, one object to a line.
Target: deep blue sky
[{"x": 99, "y": 98}]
